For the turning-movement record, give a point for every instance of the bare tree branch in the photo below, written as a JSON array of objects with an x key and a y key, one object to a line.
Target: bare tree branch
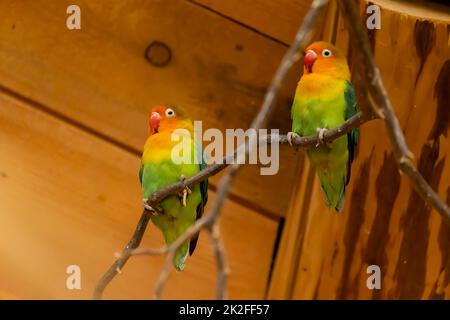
[
  {"x": 299, "y": 142},
  {"x": 222, "y": 265},
  {"x": 304, "y": 142},
  {"x": 123, "y": 258},
  {"x": 378, "y": 101},
  {"x": 383, "y": 107}
]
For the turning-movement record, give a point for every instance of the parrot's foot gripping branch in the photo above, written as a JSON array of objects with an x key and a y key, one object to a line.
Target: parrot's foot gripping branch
[
  {"x": 150, "y": 208},
  {"x": 320, "y": 133},
  {"x": 184, "y": 193},
  {"x": 291, "y": 136}
]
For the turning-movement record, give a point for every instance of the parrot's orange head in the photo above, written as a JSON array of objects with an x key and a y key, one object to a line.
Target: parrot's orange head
[
  {"x": 163, "y": 118},
  {"x": 324, "y": 58}
]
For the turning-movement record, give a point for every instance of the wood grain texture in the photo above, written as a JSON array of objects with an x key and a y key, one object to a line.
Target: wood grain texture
[
  {"x": 290, "y": 248},
  {"x": 278, "y": 19},
  {"x": 99, "y": 77},
  {"x": 67, "y": 198},
  {"x": 384, "y": 221}
]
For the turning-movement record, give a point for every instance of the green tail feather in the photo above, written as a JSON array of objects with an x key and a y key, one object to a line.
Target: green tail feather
[
  {"x": 179, "y": 260},
  {"x": 172, "y": 230},
  {"x": 333, "y": 187}
]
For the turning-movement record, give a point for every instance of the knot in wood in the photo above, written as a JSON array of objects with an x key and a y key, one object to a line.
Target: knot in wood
[{"x": 158, "y": 54}]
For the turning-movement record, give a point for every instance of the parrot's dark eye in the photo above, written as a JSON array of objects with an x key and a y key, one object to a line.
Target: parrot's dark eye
[
  {"x": 170, "y": 112},
  {"x": 326, "y": 53}
]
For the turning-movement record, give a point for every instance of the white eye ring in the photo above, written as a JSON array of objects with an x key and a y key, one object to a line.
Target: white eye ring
[
  {"x": 170, "y": 112},
  {"x": 326, "y": 53}
]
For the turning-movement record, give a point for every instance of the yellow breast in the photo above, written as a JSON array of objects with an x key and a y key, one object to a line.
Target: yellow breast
[{"x": 319, "y": 86}]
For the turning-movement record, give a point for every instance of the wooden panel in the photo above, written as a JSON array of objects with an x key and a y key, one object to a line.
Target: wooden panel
[
  {"x": 290, "y": 247},
  {"x": 98, "y": 76},
  {"x": 384, "y": 221},
  {"x": 279, "y": 19},
  {"x": 67, "y": 197}
]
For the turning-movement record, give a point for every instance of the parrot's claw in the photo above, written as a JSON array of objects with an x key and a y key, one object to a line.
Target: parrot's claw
[
  {"x": 290, "y": 137},
  {"x": 184, "y": 193},
  {"x": 320, "y": 133},
  {"x": 150, "y": 208}
]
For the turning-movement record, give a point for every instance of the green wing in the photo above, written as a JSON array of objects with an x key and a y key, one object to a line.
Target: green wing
[
  {"x": 352, "y": 136},
  {"x": 141, "y": 171},
  {"x": 204, "y": 197}
]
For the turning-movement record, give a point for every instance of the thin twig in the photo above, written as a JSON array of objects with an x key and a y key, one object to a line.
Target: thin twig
[
  {"x": 222, "y": 266},
  {"x": 123, "y": 258},
  {"x": 164, "y": 274},
  {"x": 303, "y": 142},
  {"x": 382, "y": 106}
]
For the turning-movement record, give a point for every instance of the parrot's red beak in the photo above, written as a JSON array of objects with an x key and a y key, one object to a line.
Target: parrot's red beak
[
  {"x": 155, "y": 118},
  {"x": 310, "y": 58}
]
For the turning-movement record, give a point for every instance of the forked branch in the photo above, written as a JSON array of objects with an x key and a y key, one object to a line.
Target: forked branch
[{"x": 378, "y": 102}]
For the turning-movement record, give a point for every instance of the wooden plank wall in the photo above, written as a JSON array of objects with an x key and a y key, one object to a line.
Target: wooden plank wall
[
  {"x": 73, "y": 119},
  {"x": 277, "y": 19}
]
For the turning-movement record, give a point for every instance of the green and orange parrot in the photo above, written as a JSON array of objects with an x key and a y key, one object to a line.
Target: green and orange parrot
[
  {"x": 158, "y": 170},
  {"x": 324, "y": 99}
]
